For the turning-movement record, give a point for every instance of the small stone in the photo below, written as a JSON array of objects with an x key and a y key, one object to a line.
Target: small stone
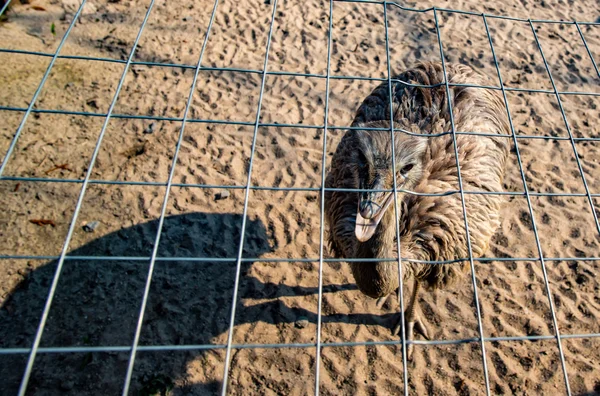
[
  {"x": 150, "y": 128},
  {"x": 302, "y": 322},
  {"x": 92, "y": 103},
  {"x": 224, "y": 194},
  {"x": 91, "y": 226}
]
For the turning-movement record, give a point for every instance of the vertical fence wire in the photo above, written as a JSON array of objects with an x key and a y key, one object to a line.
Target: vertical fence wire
[
  {"x": 529, "y": 205},
  {"x": 587, "y": 48},
  {"x": 5, "y": 7},
  {"x": 245, "y": 211},
  {"x": 61, "y": 260},
  {"x": 568, "y": 127},
  {"x": 583, "y": 178},
  {"x": 33, "y": 100},
  {"x": 396, "y": 209},
  {"x": 163, "y": 211},
  {"x": 464, "y": 207},
  {"x": 322, "y": 208}
]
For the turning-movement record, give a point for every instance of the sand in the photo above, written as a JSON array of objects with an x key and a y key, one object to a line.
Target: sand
[{"x": 98, "y": 301}]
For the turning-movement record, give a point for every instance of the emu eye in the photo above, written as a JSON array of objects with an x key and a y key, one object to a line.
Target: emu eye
[{"x": 406, "y": 169}]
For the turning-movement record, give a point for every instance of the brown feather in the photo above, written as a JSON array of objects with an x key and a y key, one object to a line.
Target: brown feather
[{"x": 431, "y": 227}]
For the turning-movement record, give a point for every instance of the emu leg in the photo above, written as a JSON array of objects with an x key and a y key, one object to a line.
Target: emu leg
[{"x": 413, "y": 322}]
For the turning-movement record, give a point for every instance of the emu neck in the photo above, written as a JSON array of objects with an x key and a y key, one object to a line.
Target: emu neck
[{"x": 378, "y": 278}]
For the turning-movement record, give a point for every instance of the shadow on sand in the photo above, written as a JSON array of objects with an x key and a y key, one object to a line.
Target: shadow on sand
[{"x": 97, "y": 304}]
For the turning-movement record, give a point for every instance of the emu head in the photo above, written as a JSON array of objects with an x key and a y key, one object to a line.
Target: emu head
[{"x": 373, "y": 165}]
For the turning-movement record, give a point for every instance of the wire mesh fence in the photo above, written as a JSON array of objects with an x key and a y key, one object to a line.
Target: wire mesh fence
[{"x": 170, "y": 185}]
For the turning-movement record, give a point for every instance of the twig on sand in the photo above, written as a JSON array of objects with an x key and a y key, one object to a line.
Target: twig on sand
[
  {"x": 61, "y": 166},
  {"x": 43, "y": 222}
]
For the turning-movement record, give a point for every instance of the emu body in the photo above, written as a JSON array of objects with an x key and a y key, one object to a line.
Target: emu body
[{"x": 432, "y": 228}]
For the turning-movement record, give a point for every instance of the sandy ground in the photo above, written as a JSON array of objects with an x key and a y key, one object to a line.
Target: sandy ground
[{"x": 97, "y": 301}]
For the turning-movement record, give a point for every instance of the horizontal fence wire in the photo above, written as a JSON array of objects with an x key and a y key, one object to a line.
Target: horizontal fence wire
[
  {"x": 293, "y": 74},
  {"x": 159, "y": 348},
  {"x": 296, "y": 189},
  {"x": 299, "y": 126},
  {"x": 463, "y": 12},
  {"x": 229, "y": 346},
  {"x": 294, "y": 260}
]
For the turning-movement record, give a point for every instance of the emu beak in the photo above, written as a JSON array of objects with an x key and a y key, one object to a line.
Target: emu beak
[{"x": 369, "y": 214}]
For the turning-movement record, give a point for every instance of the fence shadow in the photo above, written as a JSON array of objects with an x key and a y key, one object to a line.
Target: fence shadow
[{"x": 97, "y": 304}]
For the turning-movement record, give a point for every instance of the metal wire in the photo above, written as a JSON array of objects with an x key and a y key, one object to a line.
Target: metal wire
[
  {"x": 591, "y": 202},
  {"x": 564, "y": 117},
  {"x": 299, "y": 126},
  {"x": 449, "y": 10},
  {"x": 40, "y": 329},
  {"x": 587, "y": 48},
  {"x": 464, "y": 207},
  {"x": 530, "y": 207},
  {"x": 4, "y": 7},
  {"x": 134, "y": 348},
  {"x": 297, "y": 189},
  {"x": 396, "y": 209},
  {"x": 294, "y": 260},
  {"x": 13, "y": 143},
  {"x": 10, "y": 148},
  {"x": 199, "y": 347},
  {"x": 297, "y": 74},
  {"x": 245, "y": 211},
  {"x": 163, "y": 212},
  {"x": 322, "y": 212}
]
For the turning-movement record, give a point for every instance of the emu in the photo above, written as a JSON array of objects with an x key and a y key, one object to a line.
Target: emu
[{"x": 362, "y": 225}]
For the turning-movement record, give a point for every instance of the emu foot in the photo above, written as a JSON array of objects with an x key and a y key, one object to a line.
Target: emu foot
[
  {"x": 416, "y": 324},
  {"x": 382, "y": 300}
]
